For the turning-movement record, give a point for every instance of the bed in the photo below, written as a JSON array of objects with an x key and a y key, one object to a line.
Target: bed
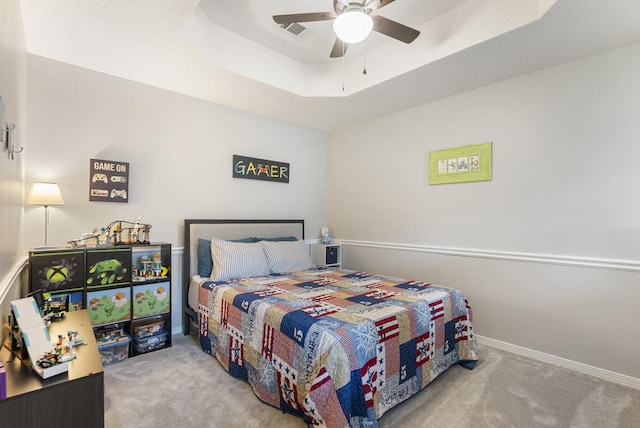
[{"x": 336, "y": 347}]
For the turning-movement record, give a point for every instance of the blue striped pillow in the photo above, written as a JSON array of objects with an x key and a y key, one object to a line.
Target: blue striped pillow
[
  {"x": 234, "y": 260},
  {"x": 287, "y": 256}
]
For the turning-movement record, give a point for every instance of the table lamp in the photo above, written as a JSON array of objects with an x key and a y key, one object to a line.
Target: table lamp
[{"x": 45, "y": 194}]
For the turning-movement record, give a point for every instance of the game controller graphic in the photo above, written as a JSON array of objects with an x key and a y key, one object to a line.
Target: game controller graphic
[
  {"x": 122, "y": 193},
  {"x": 118, "y": 179},
  {"x": 99, "y": 177}
]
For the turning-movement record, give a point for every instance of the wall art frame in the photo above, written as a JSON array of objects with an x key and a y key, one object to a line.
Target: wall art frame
[
  {"x": 260, "y": 169},
  {"x": 108, "y": 181},
  {"x": 461, "y": 164}
]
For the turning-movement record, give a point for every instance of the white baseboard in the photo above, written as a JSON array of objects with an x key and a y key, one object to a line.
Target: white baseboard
[{"x": 610, "y": 376}]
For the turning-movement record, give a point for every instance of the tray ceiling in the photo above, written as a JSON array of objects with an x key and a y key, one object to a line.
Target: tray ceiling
[{"x": 232, "y": 53}]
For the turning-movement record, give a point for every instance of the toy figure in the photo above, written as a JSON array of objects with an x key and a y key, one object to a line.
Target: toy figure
[
  {"x": 74, "y": 339},
  {"x": 326, "y": 239},
  {"x": 59, "y": 346}
]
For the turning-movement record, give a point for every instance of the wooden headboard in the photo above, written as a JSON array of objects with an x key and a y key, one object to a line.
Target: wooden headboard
[{"x": 224, "y": 229}]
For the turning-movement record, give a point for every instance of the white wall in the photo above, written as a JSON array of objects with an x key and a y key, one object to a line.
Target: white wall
[
  {"x": 180, "y": 154},
  {"x": 12, "y": 89},
  {"x": 564, "y": 191},
  {"x": 179, "y": 151}
]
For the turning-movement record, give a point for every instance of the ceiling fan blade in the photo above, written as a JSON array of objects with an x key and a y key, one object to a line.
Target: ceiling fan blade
[
  {"x": 303, "y": 17},
  {"x": 394, "y": 29},
  {"x": 383, "y": 3},
  {"x": 339, "y": 49}
]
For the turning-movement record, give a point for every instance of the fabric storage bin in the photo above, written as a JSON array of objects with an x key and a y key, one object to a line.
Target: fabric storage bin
[
  {"x": 109, "y": 306},
  {"x": 151, "y": 343},
  {"x": 151, "y": 299},
  {"x": 148, "y": 328}
]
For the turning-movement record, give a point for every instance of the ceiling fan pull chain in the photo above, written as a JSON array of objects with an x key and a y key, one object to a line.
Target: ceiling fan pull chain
[
  {"x": 364, "y": 60},
  {"x": 343, "y": 67}
]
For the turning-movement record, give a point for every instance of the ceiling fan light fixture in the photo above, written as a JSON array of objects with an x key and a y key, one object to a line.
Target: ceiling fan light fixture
[{"x": 353, "y": 26}]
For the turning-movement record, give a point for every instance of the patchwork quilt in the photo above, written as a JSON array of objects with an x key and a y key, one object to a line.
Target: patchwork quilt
[{"x": 336, "y": 347}]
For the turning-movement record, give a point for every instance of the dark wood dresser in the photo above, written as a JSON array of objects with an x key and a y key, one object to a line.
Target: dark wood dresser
[{"x": 65, "y": 400}]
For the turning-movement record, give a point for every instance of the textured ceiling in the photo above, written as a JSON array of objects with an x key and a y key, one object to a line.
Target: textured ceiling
[{"x": 232, "y": 53}]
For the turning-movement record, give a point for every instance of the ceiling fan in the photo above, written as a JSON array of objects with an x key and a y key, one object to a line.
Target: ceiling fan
[{"x": 353, "y": 22}]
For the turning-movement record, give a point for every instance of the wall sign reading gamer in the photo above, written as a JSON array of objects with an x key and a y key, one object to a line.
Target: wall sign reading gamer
[{"x": 260, "y": 169}]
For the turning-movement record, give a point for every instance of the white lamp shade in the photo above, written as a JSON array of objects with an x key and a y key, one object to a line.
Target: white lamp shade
[
  {"x": 353, "y": 26},
  {"x": 46, "y": 194}
]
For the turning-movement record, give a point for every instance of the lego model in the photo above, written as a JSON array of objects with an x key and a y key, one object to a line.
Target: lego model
[
  {"x": 74, "y": 340},
  {"x": 119, "y": 232},
  {"x": 61, "y": 353}
]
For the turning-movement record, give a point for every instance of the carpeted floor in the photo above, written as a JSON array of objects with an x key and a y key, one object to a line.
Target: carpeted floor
[{"x": 182, "y": 386}]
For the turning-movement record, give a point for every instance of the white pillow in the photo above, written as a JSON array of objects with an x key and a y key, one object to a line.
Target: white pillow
[
  {"x": 233, "y": 260},
  {"x": 287, "y": 256}
]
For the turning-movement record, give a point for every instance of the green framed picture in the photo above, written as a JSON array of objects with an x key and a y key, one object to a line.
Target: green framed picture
[{"x": 460, "y": 164}]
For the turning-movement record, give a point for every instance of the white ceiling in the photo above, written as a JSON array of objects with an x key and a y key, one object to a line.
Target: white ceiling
[{"x": 231, "y": 52}]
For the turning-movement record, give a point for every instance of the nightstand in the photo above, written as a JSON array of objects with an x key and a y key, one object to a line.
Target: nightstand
[{"x": 326, "y": 254}]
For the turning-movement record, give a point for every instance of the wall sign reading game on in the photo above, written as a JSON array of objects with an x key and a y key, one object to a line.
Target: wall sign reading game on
[
  {"x": 108, "y": 181},
  {"x": 260, "y": 169}
]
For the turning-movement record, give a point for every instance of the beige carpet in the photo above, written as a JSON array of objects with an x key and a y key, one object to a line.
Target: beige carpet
[{"x": 183, "y": 387}]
